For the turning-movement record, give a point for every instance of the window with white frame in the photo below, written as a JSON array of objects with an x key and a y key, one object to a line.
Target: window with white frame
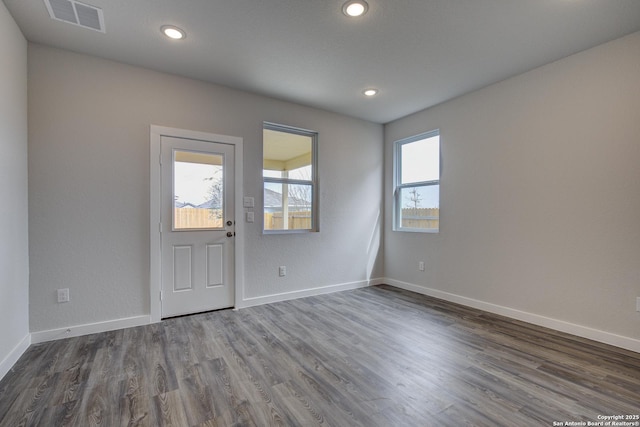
[
  {"x": 417, "y": 183},
  {"x": 289, "y": 174}
]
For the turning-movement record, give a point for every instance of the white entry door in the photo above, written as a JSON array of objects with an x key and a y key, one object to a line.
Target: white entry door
[{"x": 197, "y": 226}]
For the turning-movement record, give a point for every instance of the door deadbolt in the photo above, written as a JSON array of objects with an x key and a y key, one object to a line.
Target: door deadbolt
[{"x": 229, "y": 223}]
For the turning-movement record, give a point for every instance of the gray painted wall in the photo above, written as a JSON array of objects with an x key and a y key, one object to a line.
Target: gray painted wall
[
  {"x": 89, "y": 186},
  {"x": 539, "y": 190},
  {"x": 540, "y": 193},
  {"x": 14, "y": 255}
]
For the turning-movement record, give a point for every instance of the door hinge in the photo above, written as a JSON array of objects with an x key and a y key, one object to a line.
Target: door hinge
[
  {"x": 160, "y": 227},
  {"x": 161, "y": 295}
]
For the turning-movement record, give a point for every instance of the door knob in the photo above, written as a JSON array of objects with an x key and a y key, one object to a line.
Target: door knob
[{"x": 229, "y": 223}]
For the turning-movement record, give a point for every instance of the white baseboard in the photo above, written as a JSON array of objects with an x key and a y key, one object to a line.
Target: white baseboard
[
  {"x": 89, "y": 328},
  {"x": 268, "y": 299},
  {"x": 13, "y": 356},
  {"x": 110, "y": 325},
  {"x": 547, "y": 322},
  {"x": 378, "y": 281}
]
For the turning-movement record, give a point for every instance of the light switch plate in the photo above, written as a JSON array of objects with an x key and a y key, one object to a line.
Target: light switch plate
[
  {"x": 248, "y": 202},
  {"x": 250, "y": 217}
]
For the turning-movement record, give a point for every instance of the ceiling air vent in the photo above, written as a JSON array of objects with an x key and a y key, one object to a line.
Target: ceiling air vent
[{"x": 76, "y": 13}]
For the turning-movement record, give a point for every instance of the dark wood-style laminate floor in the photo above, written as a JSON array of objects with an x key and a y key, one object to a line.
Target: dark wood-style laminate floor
[{"x": 377, "y": 356}]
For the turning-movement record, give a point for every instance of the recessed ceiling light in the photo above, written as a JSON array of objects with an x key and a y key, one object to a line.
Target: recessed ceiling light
[
  {"x": 370, "y": 92},
  {"x": 355, "y": 8},
  {"x": 173, "y": 32}
]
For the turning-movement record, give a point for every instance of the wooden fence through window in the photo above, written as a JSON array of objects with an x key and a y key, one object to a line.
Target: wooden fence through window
[
  {"x": 422, "y": 218},
  {"x": 297, "y": 220},
  {"x": 186, "y": 218}
]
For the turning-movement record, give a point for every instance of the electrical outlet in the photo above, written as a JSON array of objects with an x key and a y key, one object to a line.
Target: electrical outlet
[
  {"x": 282, "y": 271},
  {"x": 421, "y": 266},
  {"x": 63, "y": 295},
  {"x": 250, "y": 217}
]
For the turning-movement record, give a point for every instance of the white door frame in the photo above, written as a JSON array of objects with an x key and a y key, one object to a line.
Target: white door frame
[{"x": 155, "y": 262}]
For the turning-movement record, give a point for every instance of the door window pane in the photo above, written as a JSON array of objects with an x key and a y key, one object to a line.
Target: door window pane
[{"x": 198, "y": 190}]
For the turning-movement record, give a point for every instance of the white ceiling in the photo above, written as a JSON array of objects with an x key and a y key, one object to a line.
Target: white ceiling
[{"x": 417, "y": 52}]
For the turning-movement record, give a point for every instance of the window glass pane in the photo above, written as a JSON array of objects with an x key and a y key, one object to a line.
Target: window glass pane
[
  {"x": 271, "y": 174},
  {"x": 291, "y": 212},
  {"x": 286, "y": 155},
  {"x": 303, "y": 173},
  {"x": 420, "y": 160},
  {"x": 197, "y": 190},
  {"x": 290, "y": 178},
  {"x": 420, "y": 207}
]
